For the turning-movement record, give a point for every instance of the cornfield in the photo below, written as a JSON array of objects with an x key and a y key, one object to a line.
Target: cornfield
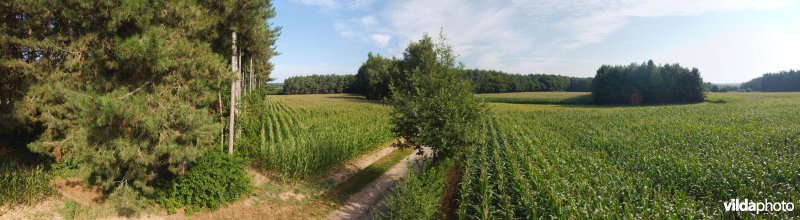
[
  {"x": 648, "y": 162},
  {"x": 22, "y": 185},
  {"x": 302, "y": 135},
  {"x": 566, "y": 98}
]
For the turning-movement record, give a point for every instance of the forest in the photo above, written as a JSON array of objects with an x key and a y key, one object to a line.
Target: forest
[
  {"x": 647, "y": 83},
  {"x": 492, "y": 81},
  {"x": 783, "y": 81},
  {"x": 319, "y": 84}
]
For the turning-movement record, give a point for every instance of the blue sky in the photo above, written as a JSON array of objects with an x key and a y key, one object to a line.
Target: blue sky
[{"x": 728, "y": 40}]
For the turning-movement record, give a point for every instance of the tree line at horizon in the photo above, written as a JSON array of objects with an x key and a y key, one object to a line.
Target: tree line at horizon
[
  {"x": 319, "y": 84},
  {"x": 783, "y": 81},
  {"x": 374, "y": 75}
]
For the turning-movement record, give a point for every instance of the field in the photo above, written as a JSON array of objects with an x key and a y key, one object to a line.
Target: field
[
  {"x": 634, "y": 162},
  {"x": 567, "y": 98},
  {"x": 307, "y": 134}
]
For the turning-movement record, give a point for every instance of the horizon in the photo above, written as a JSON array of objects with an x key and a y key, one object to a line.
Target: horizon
[{"x": 728, "y": 41}]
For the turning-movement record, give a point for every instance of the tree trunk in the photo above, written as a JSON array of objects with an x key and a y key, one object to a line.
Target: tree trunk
[
  {"x": 235, "y": 69},
  {"x": 221, "y": 120},
  {"x": 251, "y": 75}
]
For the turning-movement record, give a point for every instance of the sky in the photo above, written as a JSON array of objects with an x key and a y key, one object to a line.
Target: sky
[{"x": 729, "y": 41}]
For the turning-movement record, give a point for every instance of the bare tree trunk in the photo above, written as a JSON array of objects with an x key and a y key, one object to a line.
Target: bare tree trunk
[
  {"x": 221, "y": 120},
  {"x": 235, "y": 69},
  {"x": 251, "y": 75},
  {"x": 241, "y": 77}
]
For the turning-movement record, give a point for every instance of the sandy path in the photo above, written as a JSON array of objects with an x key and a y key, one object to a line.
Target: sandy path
[{"x": 361, "y": 204}]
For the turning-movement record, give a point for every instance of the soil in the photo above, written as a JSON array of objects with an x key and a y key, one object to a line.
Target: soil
[{"x": 73, "y": 189}]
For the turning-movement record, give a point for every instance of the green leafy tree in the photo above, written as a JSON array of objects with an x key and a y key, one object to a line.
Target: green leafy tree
[
  {"x": 374, "y": 76},
  {"x": 432, "y": 104}
]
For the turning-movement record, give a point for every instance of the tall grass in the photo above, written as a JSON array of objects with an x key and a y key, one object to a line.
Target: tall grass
[
  {"x": 636, "y": 162},
  {"x": 21, "y": 185},
  {"x": 303, "y": 135},
  {"x": 418, "y": 194}
]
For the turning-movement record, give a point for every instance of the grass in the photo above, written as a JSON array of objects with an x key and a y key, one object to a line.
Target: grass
[
  {"x": 561, "y": 98},
  {"x": 418, "y": 194},
  {"x": 671, "y": 161},
  {"x": 357, "y": 182},
  {"x": 22, "y": 185},
  {"x": 304, "y": 135}
]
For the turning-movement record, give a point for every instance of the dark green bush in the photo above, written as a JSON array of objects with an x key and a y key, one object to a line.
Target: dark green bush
[{"x": 214, "y": 179}]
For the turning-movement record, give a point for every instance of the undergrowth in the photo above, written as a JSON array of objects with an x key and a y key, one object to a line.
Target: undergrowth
[{"x": 213, "y": 180}]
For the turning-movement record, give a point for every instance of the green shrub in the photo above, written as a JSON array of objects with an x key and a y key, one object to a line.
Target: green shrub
[
  {"x": 21, "y": 185},
  {"x": 128, "y": 202},
  {"x": 214, "y": 179},
  {"x": 70, "y": 210},
  {"x": 417, "y": 196}
]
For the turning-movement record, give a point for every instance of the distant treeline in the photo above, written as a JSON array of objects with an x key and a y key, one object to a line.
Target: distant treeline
[
  {"x": 319, "y": 84},
  {"x": 711, "y": 87},
  {"x": 492, "y": 81},
  {"x": 647, "y": 83},
  {"x": 784, "y": 81},
  {"x": 375, "y": 74}
]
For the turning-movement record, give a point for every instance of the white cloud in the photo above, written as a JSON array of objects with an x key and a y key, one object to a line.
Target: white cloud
[
  {"x": 493, "y": 32},
  {"x": 381, "y": 39},
  {"x": 587, "y": 22},
  {"x": 369, "y": 21},
  {"x": 513, "y": 35}
]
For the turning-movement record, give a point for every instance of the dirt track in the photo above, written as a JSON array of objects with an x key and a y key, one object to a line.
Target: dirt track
[{"x": 362, "y": 204}]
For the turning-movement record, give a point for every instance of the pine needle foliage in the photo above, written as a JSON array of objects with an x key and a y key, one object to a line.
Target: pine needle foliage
[{"x": 126, "y": 88}]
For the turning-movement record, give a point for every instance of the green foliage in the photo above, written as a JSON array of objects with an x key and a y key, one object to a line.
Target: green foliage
[
  {"x": 211, "y": 181},
  {"x": 319, "y": 84},
  {"x": 432, "y": 104},
  {"x": 303, "y": 135},
  {"x": 128, "y": 202},
  {"x": 374, "y": 76},
  {"x": 70, "y": 210},
  {"x": 492, "y": 81},
  {"x": 784, "y": 81},
  {"x": 653, "y": 162},
  {"x": 23, "y": 185},
  {"x": 647, "y": 83},
  {"x": 128, "y": 89},
  {"x": 418, "y": 194}
]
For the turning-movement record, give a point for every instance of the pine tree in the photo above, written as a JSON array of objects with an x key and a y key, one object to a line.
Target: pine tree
[{"x": 128, "y": 89}]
